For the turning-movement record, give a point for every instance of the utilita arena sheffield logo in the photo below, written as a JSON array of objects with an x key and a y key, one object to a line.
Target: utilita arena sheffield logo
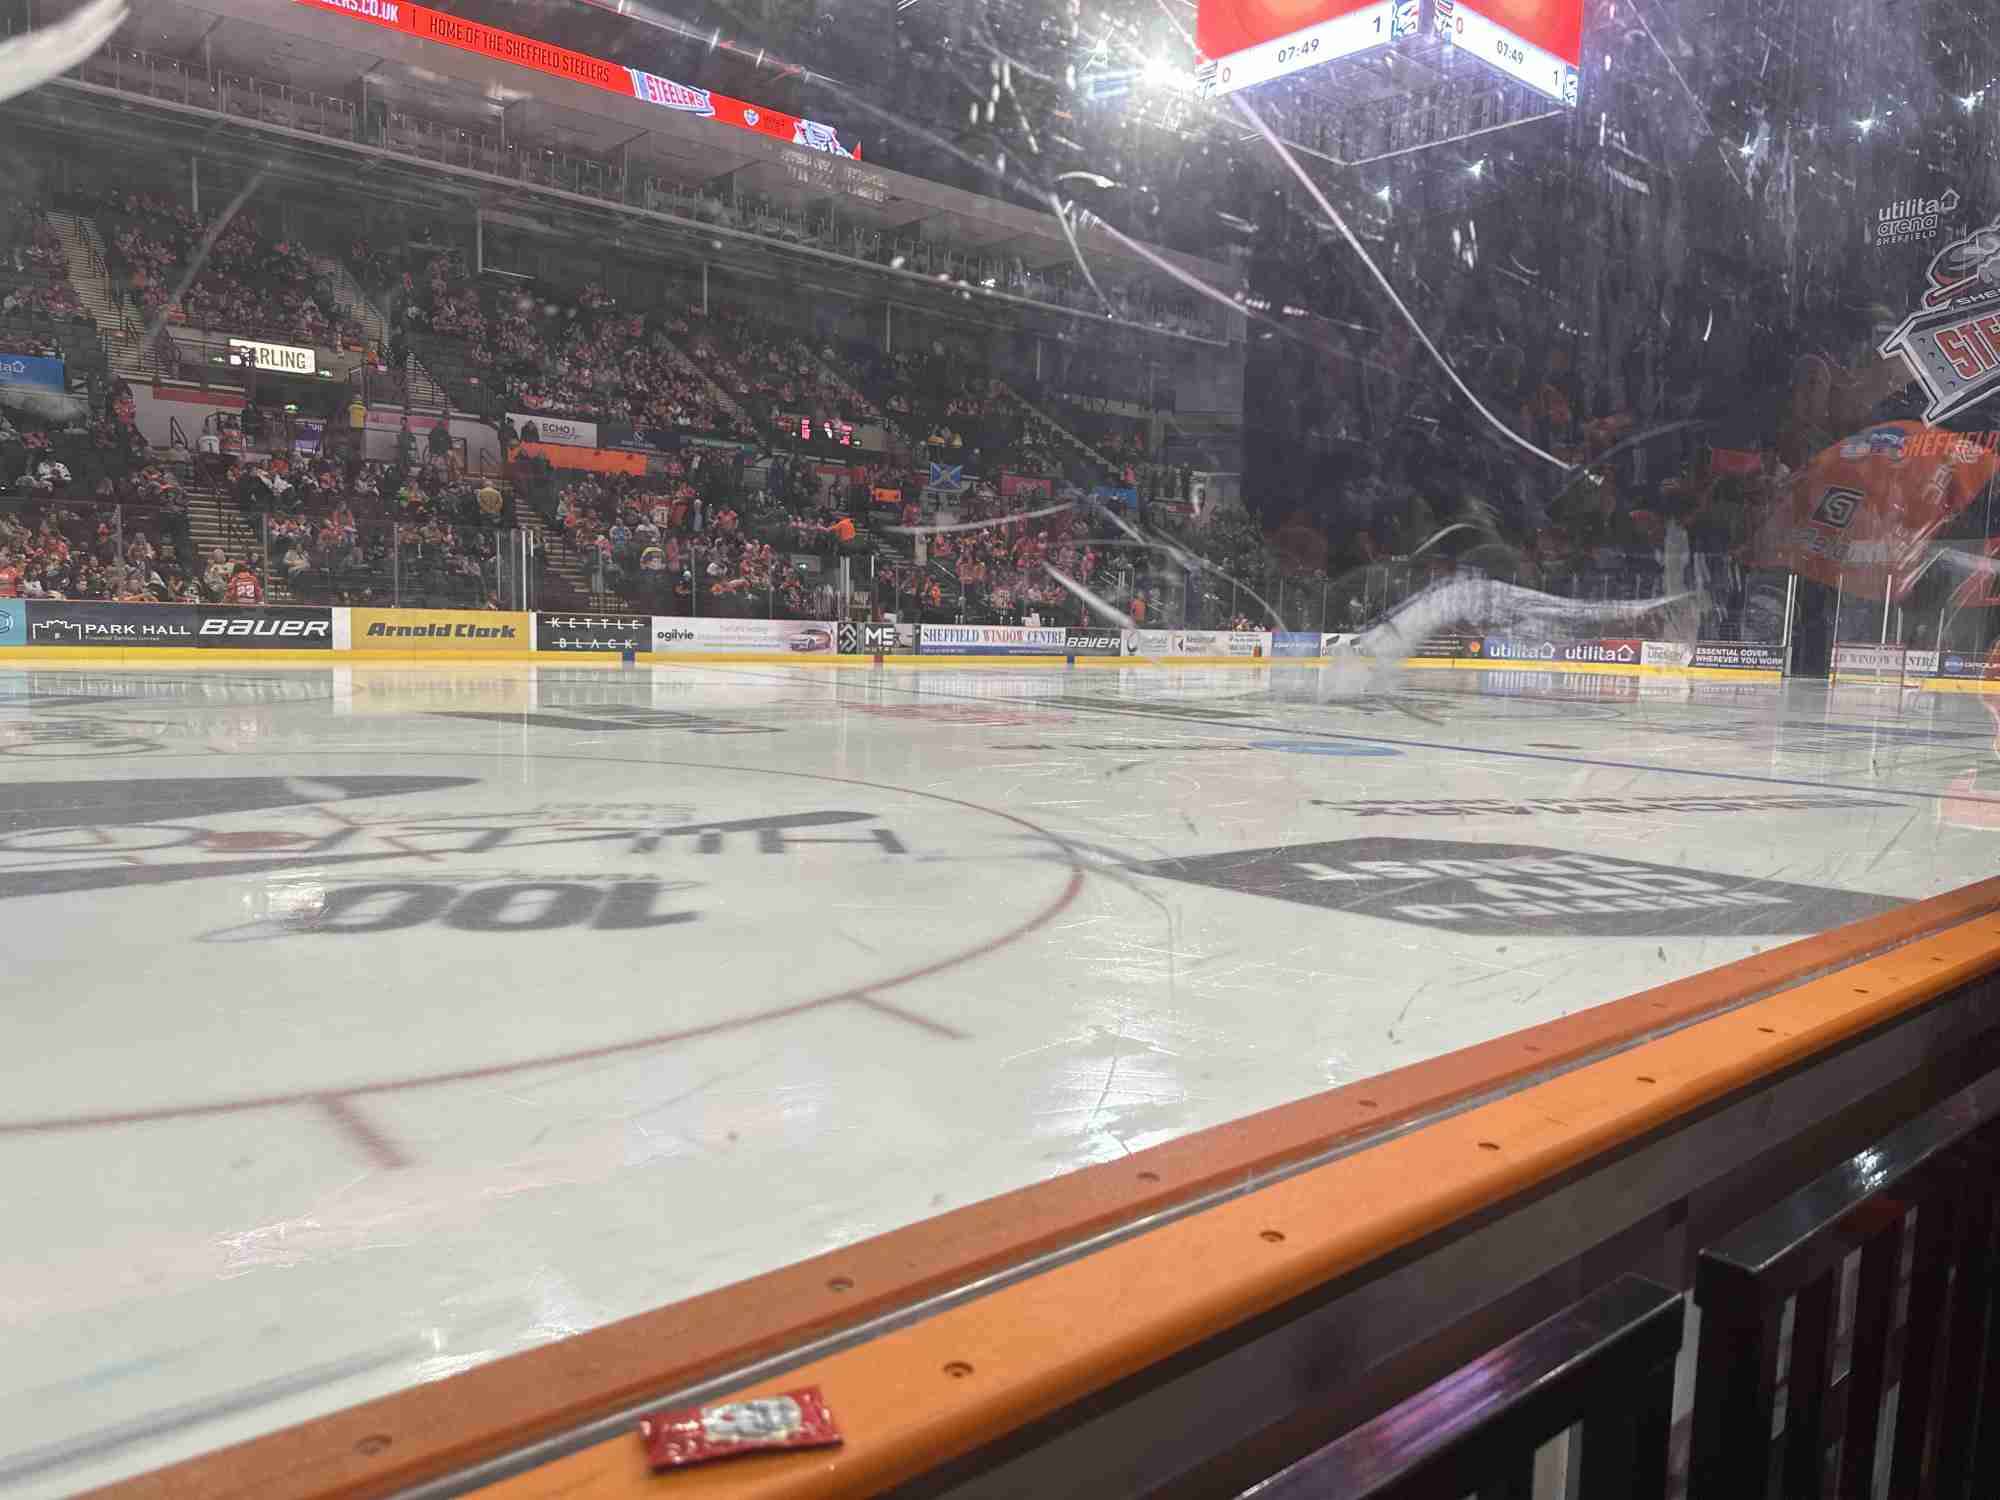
[
  {"x": 1952, "y": 342},
  {"x": 1909, "y": 220}
]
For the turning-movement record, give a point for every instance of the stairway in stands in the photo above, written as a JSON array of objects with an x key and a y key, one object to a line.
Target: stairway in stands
[
  {"x": 425, "y": 393},
  {"x": 116, "y": 328},
  {"x": 567, "y": 571},
  {"x": 214, "y": 520},
  {"x": 1062, "y": 435},
  {"x": 692, "y": 367}
]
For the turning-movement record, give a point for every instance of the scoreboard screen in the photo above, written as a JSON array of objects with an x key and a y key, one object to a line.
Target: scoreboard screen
[
  {"x": 1253, "y": 41},
  {"x": 1245, "y": 42},
  {"x": 1537, "y": 42}
]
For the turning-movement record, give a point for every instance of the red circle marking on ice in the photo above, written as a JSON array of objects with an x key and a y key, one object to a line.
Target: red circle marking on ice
[{"x": 862, "y": 994}]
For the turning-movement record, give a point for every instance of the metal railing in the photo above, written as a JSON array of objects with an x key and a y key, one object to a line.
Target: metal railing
[
  {"x": 421, "y": 565},
  {"x": 1825, "y": 1368},
  {"x": 1604, "y": 1366}
]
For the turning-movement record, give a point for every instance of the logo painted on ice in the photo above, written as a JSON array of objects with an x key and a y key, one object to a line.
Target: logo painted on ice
[{"x": 1500, "y": 889}]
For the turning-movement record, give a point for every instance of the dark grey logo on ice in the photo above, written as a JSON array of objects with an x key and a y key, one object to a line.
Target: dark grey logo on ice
[{"x": 1499, "y": 890}]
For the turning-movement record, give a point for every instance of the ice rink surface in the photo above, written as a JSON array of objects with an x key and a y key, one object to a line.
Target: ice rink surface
[{"x": 367, "y": 1023}]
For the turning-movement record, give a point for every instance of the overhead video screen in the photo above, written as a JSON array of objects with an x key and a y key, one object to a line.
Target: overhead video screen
[
  {"x": 1253, "y": 41},
  {"x": 1538, "y": 42}
]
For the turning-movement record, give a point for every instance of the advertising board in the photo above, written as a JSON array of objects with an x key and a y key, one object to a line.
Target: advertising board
[
  {"x": 37, "y": 370},
  {"x": 1739, "y": 656},
  {"x": 440, "y": 630},
  {"x": 992, "y": 640},
  {"x": 688, "y": 635},
  {"x": 277, "y": 628},
  {"x": 580, "y": 67},
  {"x": 1295, "y": 643},
  {"x": 67, "y": 623},
  {"x": 548, "y": 429},
  {"x": 858, "y": 639},
  {"x": 1092, "y": 641},
  {"x": 1148, "y": 642},
  {"x": 1604, "y": 653},
  {"x": 285, "y": 359},
  {"x": 615, "y": 634},
  {"x": 1448, "y": 648},
  {"x": 1883, "y": 661},
  {"x": 1220, "y": 643},
  {"x": 1973, "y": 665}
]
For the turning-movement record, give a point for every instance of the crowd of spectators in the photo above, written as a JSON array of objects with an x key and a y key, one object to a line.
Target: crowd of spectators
[
  {"x": 1003, "y": 571},
  {"x": 34, "y": 283},
  {"x": 246, "y": 284},
  {"x": 413, "y": 531},
  {"x": 583, "y": 358},
  {"x": 121, "y": 536},
  {"x": 690, "y": 540}
]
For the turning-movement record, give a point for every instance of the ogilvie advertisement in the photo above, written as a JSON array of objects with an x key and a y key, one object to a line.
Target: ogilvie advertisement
[
  {"x": 689, "y": 635},
  {"x": 59, "y": 625},
  {"x": 441, "y": 630}
]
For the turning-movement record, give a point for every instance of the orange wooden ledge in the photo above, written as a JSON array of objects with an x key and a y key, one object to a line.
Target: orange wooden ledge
[
  {"x": 397, "y": 1441},
  {"x": 917, "y": 1398}
]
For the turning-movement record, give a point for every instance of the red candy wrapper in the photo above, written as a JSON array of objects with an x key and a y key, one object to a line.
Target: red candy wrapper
[{"x": 729, "y": 1429}]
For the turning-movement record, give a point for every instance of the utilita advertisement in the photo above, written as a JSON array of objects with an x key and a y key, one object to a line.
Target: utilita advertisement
[{"x": 579, "y": 67}]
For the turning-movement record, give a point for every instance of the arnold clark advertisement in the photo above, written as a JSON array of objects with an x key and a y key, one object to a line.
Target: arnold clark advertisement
[
  {"x": 993, "y": 640},
  {"x": 690, "y": 636},
  {"x": 441, "y": 630}
]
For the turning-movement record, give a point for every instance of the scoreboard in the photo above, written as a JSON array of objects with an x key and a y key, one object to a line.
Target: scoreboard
[
  {"x": 1254, "y": 41},
  {"x": 1536, "y": 42},
  {"x": 1244, "y": 42}
]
